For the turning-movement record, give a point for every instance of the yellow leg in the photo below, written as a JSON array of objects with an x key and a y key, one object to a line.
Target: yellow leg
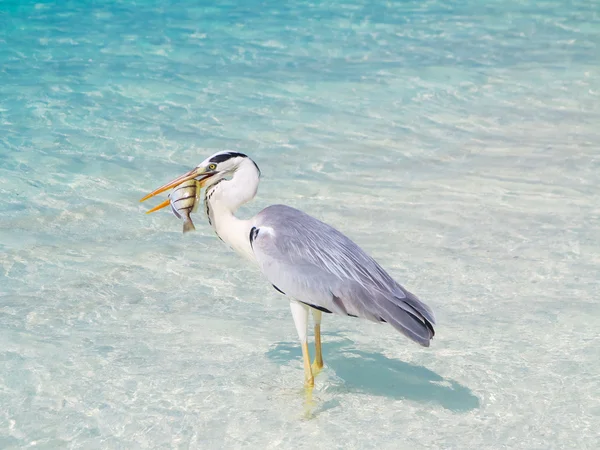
[
  {"x": 300, "y": 315},
  {"x": 318, "y": 363},
  {"x": 309, "y": 380}
]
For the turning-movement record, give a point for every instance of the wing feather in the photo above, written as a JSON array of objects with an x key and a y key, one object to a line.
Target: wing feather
[{"x": 314, "y": 263}]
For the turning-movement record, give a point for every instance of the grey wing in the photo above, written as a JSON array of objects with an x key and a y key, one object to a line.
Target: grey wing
[{"x": 315, "y": 264}]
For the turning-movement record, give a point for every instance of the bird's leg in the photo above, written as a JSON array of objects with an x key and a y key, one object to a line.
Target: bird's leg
[
  {"x": 309, "y": 379},
  {"x": 300, "y": 315},
  {"x": 318, "y": 363}
]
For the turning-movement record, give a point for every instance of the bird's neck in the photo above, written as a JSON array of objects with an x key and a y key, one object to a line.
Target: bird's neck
[
  {"x": 223, "y": 199},
  {"x": 233, "y": 231}
]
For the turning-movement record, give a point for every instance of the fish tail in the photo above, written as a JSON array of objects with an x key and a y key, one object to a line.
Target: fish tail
[{"x": 188, "y": 225}]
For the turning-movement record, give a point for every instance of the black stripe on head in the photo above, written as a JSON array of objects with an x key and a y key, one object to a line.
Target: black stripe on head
[{"x": 225, "y": 156}]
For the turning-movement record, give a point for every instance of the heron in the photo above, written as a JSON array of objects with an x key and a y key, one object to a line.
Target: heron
[{"x": 317, "y": 267}]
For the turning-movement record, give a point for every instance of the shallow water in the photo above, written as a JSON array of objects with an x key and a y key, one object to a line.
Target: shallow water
[{"x": 456, "y": 142}]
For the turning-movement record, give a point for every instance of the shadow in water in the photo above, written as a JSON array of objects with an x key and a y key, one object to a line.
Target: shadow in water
[{"x": 375, "y": 374}]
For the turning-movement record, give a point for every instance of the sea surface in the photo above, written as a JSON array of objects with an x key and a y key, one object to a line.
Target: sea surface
[{"x": 457, "y": 142}]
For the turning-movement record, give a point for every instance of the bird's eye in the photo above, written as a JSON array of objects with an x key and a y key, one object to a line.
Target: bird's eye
[{"x": 212, "y": 166}]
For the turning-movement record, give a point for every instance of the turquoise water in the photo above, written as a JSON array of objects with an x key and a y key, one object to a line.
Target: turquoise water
[{"x": 456, "y": 142}]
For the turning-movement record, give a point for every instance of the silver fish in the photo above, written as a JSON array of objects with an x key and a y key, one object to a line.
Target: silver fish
[{"x": 184, "y": 200}]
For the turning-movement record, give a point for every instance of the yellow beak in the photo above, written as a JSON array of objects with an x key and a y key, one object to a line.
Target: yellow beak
[
  {"x": 160, "y": 206},
  {"x": 196, "y": 172}
]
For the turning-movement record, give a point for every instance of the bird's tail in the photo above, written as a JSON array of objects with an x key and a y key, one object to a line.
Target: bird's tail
[{"x": 410, "y": 316}]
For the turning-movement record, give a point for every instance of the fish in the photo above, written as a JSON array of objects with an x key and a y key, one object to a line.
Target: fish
[{"x": 184, "y": 200}]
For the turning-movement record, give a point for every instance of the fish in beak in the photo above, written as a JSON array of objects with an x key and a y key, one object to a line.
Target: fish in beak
[{"x": 198, "y": 173}]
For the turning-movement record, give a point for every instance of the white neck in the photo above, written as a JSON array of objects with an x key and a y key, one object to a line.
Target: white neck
[{"x": 223, "y": 199}]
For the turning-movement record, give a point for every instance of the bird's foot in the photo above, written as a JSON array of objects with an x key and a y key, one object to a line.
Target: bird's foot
[
  {"x": 309, "y": 402},
  {"x": 316, "y": 367},
  {"x": 309, "y": 383}
]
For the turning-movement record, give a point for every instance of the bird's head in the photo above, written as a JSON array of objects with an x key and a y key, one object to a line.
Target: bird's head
[{"x": 209, "y": 172}]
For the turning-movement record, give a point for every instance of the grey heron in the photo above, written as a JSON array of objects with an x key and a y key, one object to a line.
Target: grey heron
[{"x": 317, "y": 267}]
